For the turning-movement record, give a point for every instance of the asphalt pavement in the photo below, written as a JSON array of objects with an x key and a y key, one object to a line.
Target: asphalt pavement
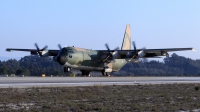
[{"x": 24, "y": 82}]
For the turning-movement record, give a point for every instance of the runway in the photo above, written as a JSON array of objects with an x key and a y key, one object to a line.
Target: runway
[{"x": 24, "y": 82}]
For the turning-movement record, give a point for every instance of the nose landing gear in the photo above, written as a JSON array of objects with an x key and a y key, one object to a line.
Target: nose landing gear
[{"x": 107, "y": 74}]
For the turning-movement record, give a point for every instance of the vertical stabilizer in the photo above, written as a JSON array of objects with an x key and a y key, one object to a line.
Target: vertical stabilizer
[{"x": 126, "y": 44}]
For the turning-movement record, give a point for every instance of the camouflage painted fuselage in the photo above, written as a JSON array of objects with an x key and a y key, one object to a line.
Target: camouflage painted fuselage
[{"x": 90, "y": 60}]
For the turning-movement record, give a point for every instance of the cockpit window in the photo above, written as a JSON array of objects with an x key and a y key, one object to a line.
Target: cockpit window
[
  {"x": 70, "y": 51},
  {"x": 63, "y": 51}
]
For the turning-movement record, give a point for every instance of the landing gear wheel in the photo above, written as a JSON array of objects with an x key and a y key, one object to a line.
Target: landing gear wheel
[
  {"x": 86, "y": 73},
  {"x": 105, "y": 74},
  {"x": 67, "y": 69}
]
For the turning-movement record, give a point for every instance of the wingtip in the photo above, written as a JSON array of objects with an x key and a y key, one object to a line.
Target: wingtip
[
  {"x": 8, "y": 50},
  {"x": 193, "y": 49}
]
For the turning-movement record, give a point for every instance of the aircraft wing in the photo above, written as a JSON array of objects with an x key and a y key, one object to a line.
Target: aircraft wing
[
  {"x": 148, "y": 53},
  {"x": 34, "y": 51}
]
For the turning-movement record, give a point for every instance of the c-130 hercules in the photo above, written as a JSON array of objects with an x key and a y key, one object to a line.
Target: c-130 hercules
[{"x": 105, "y": 61}]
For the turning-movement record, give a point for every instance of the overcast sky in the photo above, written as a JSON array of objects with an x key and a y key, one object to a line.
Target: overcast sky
[{"x": 92, "y": 23}]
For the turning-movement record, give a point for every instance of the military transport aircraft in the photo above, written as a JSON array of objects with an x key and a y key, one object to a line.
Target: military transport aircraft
[{"x": 105, "y": 61}]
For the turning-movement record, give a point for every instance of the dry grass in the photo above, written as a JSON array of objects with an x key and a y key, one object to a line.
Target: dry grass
[{"x": 166, "y": 97}]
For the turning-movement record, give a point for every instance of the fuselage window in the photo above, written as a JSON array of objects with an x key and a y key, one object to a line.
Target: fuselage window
[{"x": 70, "y": 51}]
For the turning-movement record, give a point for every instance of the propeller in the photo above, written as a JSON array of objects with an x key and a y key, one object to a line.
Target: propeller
[
  {"x": 137, "y": 53},
  {"x": 38, "y": 49},
  {"x": 112, "y": 55}
]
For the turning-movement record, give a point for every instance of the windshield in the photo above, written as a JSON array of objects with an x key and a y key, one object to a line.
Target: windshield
[
  {"x": 63, "y": 51},
  {"x": 70, "y": 51}
]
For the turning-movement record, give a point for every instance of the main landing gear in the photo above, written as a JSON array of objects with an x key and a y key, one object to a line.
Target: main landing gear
[
  {"x": 85, "y": 73},
  {"x": 107, "y": 74},
  {"x": 67, "y": 69}
]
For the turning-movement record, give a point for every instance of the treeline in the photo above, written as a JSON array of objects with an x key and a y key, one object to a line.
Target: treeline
[
  {"x": 171, "y": 66},
  {"x": 31, "y": 66}
]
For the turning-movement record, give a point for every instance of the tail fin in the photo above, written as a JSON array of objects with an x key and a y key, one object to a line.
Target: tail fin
[{"x": 126, "y": 44}]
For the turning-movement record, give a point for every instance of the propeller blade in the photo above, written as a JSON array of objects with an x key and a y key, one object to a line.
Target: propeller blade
[
  {"x": 38, "y": 49},
  {"x": 59, "y": 46},
  {"x": 107, "y": 47},
  {"x": 134, "y": 46},
  {"x": 36, "y": 45},
  {"x": 117, "y": 48},
  {"x": 45, "y": 47}
]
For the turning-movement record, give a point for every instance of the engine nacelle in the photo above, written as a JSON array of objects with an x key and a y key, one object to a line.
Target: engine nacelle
[
  {"x": 45, "y": 53},
  {"x": 141, "y": 53},
  {"x": 115, "y": 54}
]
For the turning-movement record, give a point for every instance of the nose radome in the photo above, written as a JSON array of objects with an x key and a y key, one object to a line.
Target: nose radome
[{"x": 62, "y": 59}]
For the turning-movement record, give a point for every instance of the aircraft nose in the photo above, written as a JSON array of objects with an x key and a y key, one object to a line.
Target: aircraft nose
[{"x": 61, "y": 60}]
